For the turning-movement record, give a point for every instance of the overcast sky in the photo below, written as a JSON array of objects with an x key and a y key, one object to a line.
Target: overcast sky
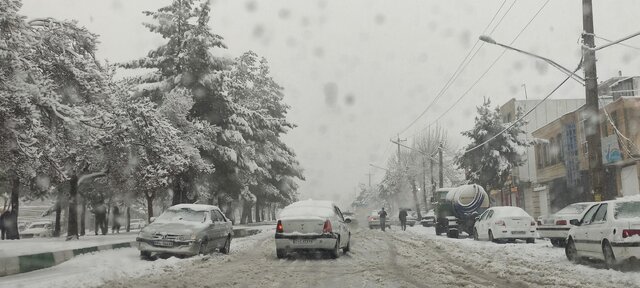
[{"x": 358, "y": 72}]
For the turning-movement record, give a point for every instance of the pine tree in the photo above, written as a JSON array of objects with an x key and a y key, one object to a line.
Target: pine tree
[{"x": 490, "y": 164}]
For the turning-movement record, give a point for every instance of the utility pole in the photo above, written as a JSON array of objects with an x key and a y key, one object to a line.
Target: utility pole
[
  {"x": 424, "y": 183},
  {"x": 433, "y": 181},
  {"x": 526, "y": 97},
  {"x": 398, "y": 141},
  {"x": 441, "y": 174},
  {"x": 592, "y": 123},
  {"x": 369, "y": 179}
]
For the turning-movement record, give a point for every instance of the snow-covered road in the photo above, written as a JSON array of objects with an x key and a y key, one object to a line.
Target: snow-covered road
[{"x": 415, "y": 258}]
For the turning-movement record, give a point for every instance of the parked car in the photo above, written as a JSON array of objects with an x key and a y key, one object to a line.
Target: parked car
[
  {"x": 312, "y": 225},
  {"x": 350, "y": 215},
  {"x": 38, "y": 229},
  {"x": 504, "y": 223},
  {"x": 186, "y": 229},
  {"x": 412, "y": 218},
  {"x": 374, "y": 220},
  {"x": 136, "y": 224},
  {"x": 556, "y": 227},
  {"x": 608, "y": 231},
  {"x": 428, "y": 219}
]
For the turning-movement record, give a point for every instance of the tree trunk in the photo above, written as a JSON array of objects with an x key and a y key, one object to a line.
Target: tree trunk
[
  {"x": 246, "y": 212},
  {"x": 128, "y": 215},
  {"x": 414, "y": 190},
  {"x": 72, "y": 228},
  {"x": 149, "y": 206},
  {"x": 56, "y": 230},
  {"x": 12, "y": 231},
  {"x": 258, "y": 210},
  {"x": 83, "y": 215}
]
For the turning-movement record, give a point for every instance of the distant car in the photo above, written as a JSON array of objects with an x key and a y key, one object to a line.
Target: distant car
[
  {"x": 349, "y": 215},
  {"x": 412, "y": 218},
  {"x": 505, "y": 223},
  {"x": 609, "y": 231},
  {"x": 374, "y": 220},
  {"x": 312, "y": 225},
  {"x": 186, "y": 229},
  {"x": 428, "y": 219},
  {"x": 38, "y": 229},
  {"x": 137, "y": 224},
  {"x": 556, "y": 227}
]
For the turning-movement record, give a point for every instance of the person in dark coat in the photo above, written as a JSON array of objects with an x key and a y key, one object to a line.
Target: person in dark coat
[
  {"x": 116, "y": 220},
  {"x": 100, "y": 214},
  {"x": 383, "y": 219},
  {"x": 403, "y": 219},
  {"x": 2, "y": 231}
]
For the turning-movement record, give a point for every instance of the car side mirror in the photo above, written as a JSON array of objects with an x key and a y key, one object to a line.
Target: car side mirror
[
  {"x": 152, "y": 219},
  {"x": 574, "y": 222},
  {"x": 477, "y": 218},
  {"x": 348, "y": 220}
]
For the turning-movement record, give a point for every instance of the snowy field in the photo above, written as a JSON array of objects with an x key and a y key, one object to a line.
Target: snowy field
[{"x": 94, "y": 269}]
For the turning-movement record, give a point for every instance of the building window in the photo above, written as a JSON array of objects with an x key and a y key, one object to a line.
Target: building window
[{"x": 560, "y": 148}]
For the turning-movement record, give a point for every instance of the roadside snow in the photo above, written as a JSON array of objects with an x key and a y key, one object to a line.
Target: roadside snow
[
  {"x": 539, "y": 264},
  {"x": 9, "y": 248},
  {"x": 95, "y": 269}
]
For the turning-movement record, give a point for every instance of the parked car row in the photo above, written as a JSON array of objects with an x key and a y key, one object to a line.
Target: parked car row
[{"x": 607, "y": 230}]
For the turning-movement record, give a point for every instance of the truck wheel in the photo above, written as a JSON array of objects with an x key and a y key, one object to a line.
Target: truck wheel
[
  {"x": 531, "y": 240},
  {"x": 281, "y": 253},
  {"x": 475, "y": 235},
  {"x": 452, "y": 234},
  {"x": 609, "y": 257},
  {"x": 438, "y": 230},
  {"x": 335, "y": 252},
  {"x": 491, "y": 237},
  {"x": 571, "y": 252}
]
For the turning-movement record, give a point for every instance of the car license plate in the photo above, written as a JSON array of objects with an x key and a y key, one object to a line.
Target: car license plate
[
  {"x": 302, "y": 241},
  {"x": 163, "y": 243},
  {"x": 518, "y": 232}
]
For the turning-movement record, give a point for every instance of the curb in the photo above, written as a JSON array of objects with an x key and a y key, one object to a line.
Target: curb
[{"x": 27, "y": 263}]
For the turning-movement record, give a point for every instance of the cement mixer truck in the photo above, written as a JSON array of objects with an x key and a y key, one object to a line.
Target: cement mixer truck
[{"x": 457, "y": 208}]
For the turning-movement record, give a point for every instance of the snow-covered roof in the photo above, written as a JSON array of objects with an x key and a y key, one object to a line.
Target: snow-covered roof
[
  {"x": 312, "y": 203},
  {"x": 194, "y": 207}
]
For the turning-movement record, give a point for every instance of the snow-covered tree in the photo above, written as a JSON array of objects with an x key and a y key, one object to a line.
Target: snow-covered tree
[{"x": 490, "y": 164}]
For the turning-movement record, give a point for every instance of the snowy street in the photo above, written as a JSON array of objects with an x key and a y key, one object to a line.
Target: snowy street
[{"x": 415, "y": 258}]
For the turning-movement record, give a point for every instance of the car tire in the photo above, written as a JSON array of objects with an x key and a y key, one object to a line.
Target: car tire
[
  {"x": 531, "y": 240},
  {"x": 571, "y": 252},
  {"x": 370, "y": 227},
  {"x": 281, "y": 253},
  {"x": 453, "y": 234},
  {"x": 491, "y": 237},
  {"x": 609, "y": 257},
  {"x": 227, "y": 246},
  {"x": 555, "y": 243},
  {"x": 475, "y": 235},
  {"x": 202, "y": 249},
  {"x": 348, "y": 247},
  {"x": 145, "y": 255},
  {"x": 335, "y": 252}
]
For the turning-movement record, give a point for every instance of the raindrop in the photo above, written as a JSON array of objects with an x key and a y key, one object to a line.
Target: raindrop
[
  {"x": 322, "y": 4},
  {"x": 423, "y": 57},
  {"x": 518, "y": 65},
  {"x": 552, "y": 28},
  {"x": 433, "y": 26},
  {"x": 91, "y": 18},
  {"x": 379, "y": 19},
  {"x": 513, "y": 89},
  {"x": 116, "y": 5},
  {"x": 542, "y": 67},
  {"x": 251, "y": 6},
  {"x": 284, "y": 13},
  {"x": 305, "y": 21},
  {"x": 292, "y": 42},
  {"x": 258, "y": 31},
  {"x": 43, "y": 182},
  {"x": 322, "y": 129},
  {"x": 350, "y": 99},
  {"x": 318, "y": 52},
  {"x": 465, "y": 38},
  {"x": 331, "y": 94}
]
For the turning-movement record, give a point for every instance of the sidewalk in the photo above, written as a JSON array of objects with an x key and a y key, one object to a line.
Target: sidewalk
[{"x": 19, "y": 256}]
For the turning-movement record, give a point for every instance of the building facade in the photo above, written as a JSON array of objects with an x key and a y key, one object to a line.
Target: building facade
[{"x": 520, "y": 190}]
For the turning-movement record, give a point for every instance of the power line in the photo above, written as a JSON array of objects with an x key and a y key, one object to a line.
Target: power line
[
  {"x": 615, "y": 128},
  {"x": 611, "y": 41},
  {"x": 525, "y": 114},
  {"x": 486, "y": 71},
  {"x": 457, "y": 72}
]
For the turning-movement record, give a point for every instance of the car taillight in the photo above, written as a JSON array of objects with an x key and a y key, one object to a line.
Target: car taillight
[
  {"x": 279, "y": 228},
  {"x": 561, "y": 222},
  {"x": 327, "y": 227},
  {"x": 630, "y": 232},
  {"x": 500, "y": 222}
]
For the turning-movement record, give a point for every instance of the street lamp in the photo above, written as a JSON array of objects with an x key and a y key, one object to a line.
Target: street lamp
[{"x": 488, "y": 39}]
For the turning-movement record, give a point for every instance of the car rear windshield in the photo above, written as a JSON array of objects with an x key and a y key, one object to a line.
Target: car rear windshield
[
  {"x": 512, "y": 212},
  {"x": 577, "y": 208},
  {"x": 183, "y": 215},
  {"x": 626, "y": 210},
  {"x": 301, "y": 211},
  {"x": 38, "y": 226}
]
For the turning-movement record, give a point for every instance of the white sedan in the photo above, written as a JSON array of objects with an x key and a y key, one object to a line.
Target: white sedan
[
  {"x": 556, "y": 227},
  {"x": 608, "y": 231},
  {"x": 312, "y": 225},
  {"x": 506, "y": 223}
]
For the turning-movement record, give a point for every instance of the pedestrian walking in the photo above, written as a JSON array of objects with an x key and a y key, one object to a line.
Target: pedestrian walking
[
  {"x": 116, "y": 220},
  {"x": 403, "y": 219},
  {"x": 383, "y": 219},
  {"x": 2, "y": 226},
  {"x": 100, "y": 214}
]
